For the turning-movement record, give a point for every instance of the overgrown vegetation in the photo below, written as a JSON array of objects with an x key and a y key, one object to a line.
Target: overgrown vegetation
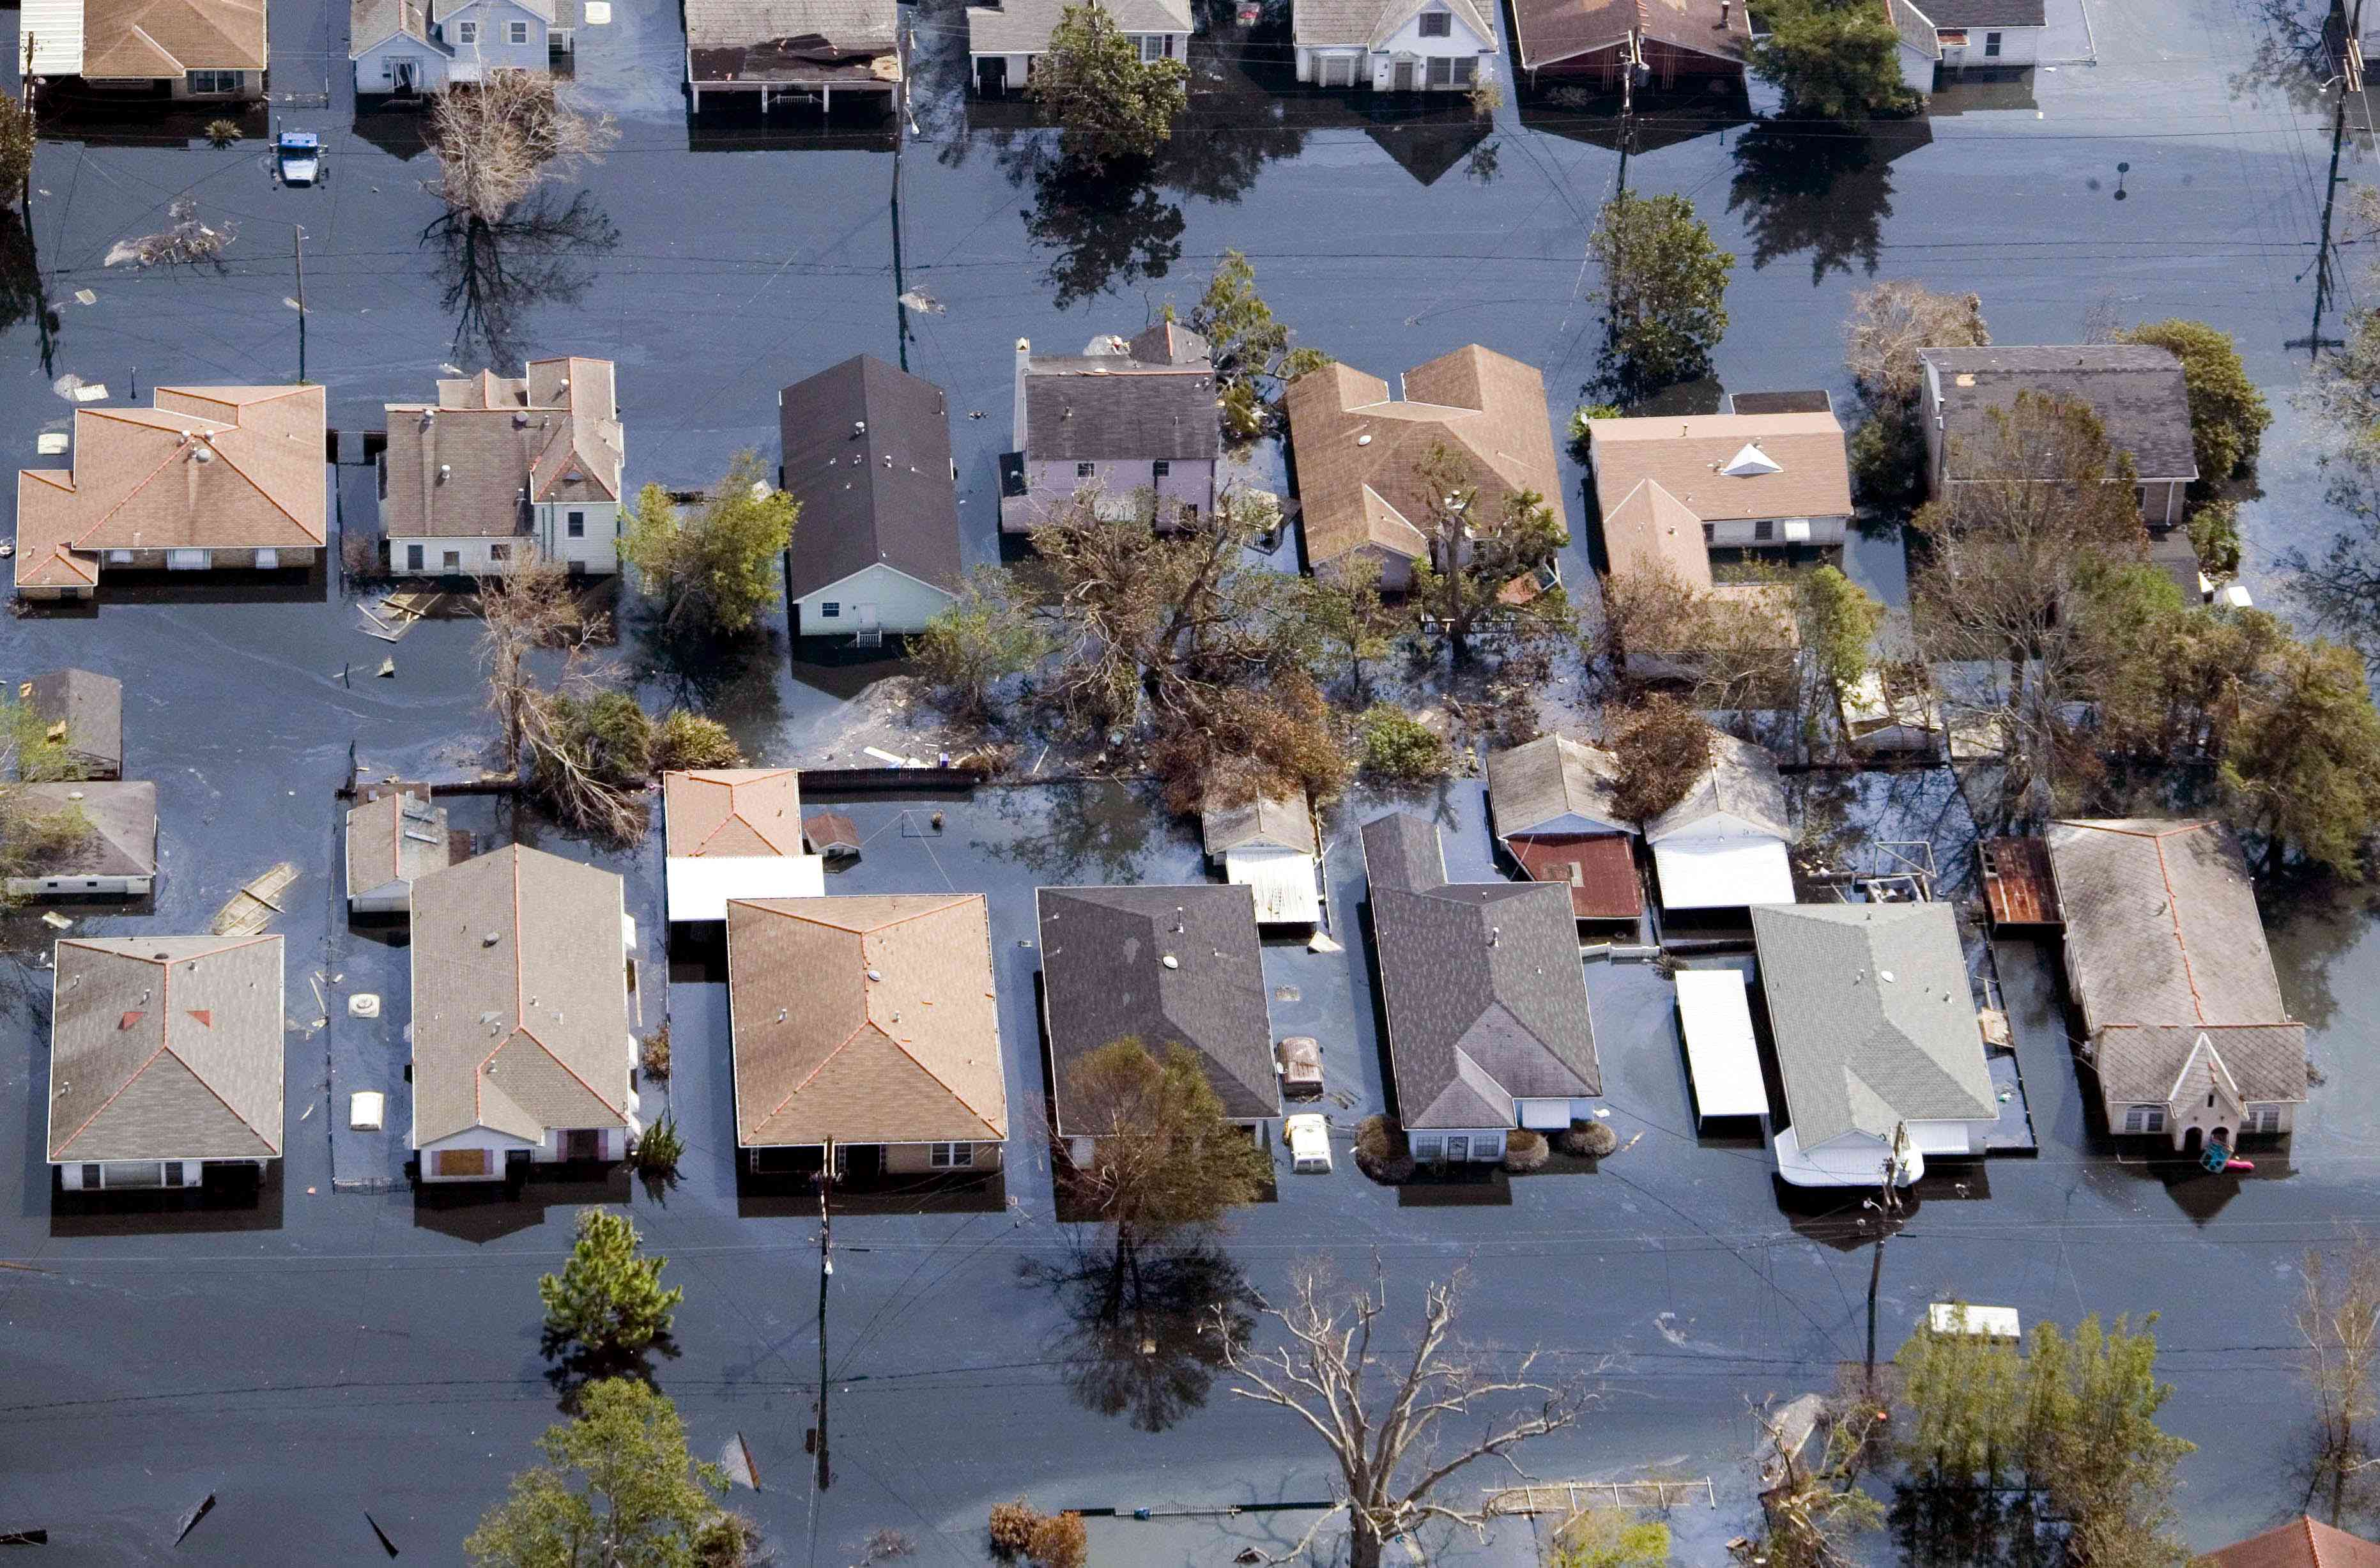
[
  {"x": 1662, "y": 747},
  {"x": 2228, "y": 415},
  {"x": 1663, "y": 288},
  {"x": 1394, "y": 744},
  {"x": 715, "y": 569},
  {"x": 659, "y": 1149},
  {"x": 1164, "y": 1157},
  {"x": 1609, "y": 1537},
  {"x": 18, "y": 136},
  {"x": 501, "y": 138},
  {"x": 987, "y": 633},
  {"x": 1488, "y": 568},
  {"x": 1113, "y": 106},
  {"x": 1890, "y": 322}
]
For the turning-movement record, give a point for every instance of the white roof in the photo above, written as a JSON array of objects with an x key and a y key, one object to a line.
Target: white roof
[
  {"x": 1309, "y": 1139},
  {"x": 55, "y": 28},
  {"x": 701, "y": 885},
  {"x": 1716, "y": 1014},
  {"x": 1284, "y": 881},
  {"x": 1722, "y": 873}
]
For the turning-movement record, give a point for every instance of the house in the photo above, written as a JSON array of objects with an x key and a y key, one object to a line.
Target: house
[
  {"x": 165, "y": 1059},
  {"x": 1722, "y": 846},
  {"x": 1267, "y": 843},
  {"x": 2134, "y": 388},
  {"x": 2303, "y": 1542},
  {"x": 402, "y": 48},
  {"x": 2182, "y": 1016},
  {"x": 1878, "y": 1046},
  {"x": 1394, "y": 45},
  {"x": 1743, "y": 481},
  {"x": 393, "y": 840},
  {"x": 1592, "y": 41},
  {"x": 1554, "y": 815},
  {"x": 1487, "y": 1015},
  {"x": 84, "y": 712},
  {"x": 733, "y": 832},
  {"x": 870, "y": 1022},
  {"x": 1166, "y": 967},
  {"x": 1134, "y": 418},
  {"x": 212, "y": 477},
  {"x": 501, "y": 470},
  {"x": 774, "y": 49},
  {"x": 521, "y": 1053},
  {"x": 1938, "y": 35},
  {"x": 118, "y": 857},
  {"x": 202, "y": 51},
  {"x": 1004, "y": 37},
  {"x": 868, "y": 453},
  {"x": 1359, "y": 452}
]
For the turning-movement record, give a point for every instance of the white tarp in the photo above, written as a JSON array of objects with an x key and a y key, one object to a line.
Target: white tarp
[
  {"x": 1722, "y": 873},
  {"x": 701, "y": 885},
  {"x": 1716, "y": 1017},
  {"x": 1283, "y": 882},
  {"x": 1987, "y": 1322}
]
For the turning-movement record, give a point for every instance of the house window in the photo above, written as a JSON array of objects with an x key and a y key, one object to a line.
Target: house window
[
  {"x": 576, "y": 525},
  {"x": 1428, "y": 1150},
  {"x": 1465, "y": 70},
  {"x": 171, "y": 1175},
  {"x": 92, "y": 1179},
  {"x": 1441, "y": 71},
  {"x": 1437, "y": 24},
  {"x": 1764, "y": 530},
  {"x": 1458, "y": 1148},
  {"x": 452, "y": 560},
  {"x": 952, "y": 1156},
  {"x": 829, "y": 609},
  {"x": 1084, "y": 470},
  {"x": 516, "y": 32},
  {"x": 1160, "y": 469},
  {"x": 2145, "y": 1119},
  {"x": 1710, "y": 535},
  {"x": 2140, "y": 498},
  {"x": 214, "y": 81},
  {"x": 466, "y": 33},
  {"x": 1152, "y": 46},
  {"x": 413, "y": 557},
  {"x": 500, "y": 552},
  {"x": 1991, "y": 45},
  {"x": 2261, "y": 1119}
]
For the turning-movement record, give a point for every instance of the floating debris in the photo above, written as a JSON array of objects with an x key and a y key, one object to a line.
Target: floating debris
[
  {"x": 736, "y": 1458},
  {"x": 191, "y": 1520},
  {"x": 919, "y": 299},
  {"x": 248, "y": 911},
  {"x": 186, "y": 239},
  {"x": 386, "y": 1545},
  {"x": 1323, "y": 943},
  {"x": 74, "y": 389},
  {"x": 387, "y": 669},
  {"x": 57, "y": 921},
  {"x": 85, "y": 297},
  {"x": 52, "y": 444},
  {"x": 364, "y": 1004}
]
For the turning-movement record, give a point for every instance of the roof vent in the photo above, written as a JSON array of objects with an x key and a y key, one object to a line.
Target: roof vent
[
  {"x": 1751, "y": 463},
  {"x": 1884, "y": 974},
  {"x": 1364, "y": 440},
  {"x": 444, "y": 471},
  {"x": 490, "y": 939},
  {"x": 520, "y": 421},
  {"x": 859, "y": 427},
  {"x": 1495, "y": 934},
  {"x": 875, "y": 973},
  {"x": 1171, "y": 962}
]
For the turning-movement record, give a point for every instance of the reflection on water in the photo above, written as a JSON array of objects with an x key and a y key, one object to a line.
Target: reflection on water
[
  {"x": 538, "y": 254},
  {"x": 1823, "y": 188},
  {"x": 1145, "y": 1333}
]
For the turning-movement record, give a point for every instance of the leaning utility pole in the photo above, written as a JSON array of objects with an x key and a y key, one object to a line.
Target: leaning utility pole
[
  {"x": 1886, "y": 1212},
  {"x": 900, "y": 140},
  {"x": 297, "y": 244},
  {"x": 826, "y": 1272}
]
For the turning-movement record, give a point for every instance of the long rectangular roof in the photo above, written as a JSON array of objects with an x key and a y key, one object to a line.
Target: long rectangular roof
[
  {"x": 2134, "y": 388},
  {"x": 1152, "y": 396},
  {"x": 868, "y": 453},
  {"x": 793, "y": 42},
  {"x": 156, "y": 39},
  {"x": 1023, "y": 27},
  {"x": 1725, "y": 467},
  {"x": 1549, "y": 31},
  {"x": 1487, "y": 1003},
  {"x": 2161, "y": 923}
]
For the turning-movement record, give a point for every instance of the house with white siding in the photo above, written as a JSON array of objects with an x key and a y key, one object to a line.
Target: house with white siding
[
  {"x": 867, "y": 454},
  {"x": 401, "y": 48},
  {"x": 1005, "y": 37},
  {"x": 1396, "y": 46}
]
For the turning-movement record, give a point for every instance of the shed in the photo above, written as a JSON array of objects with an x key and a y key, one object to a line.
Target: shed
[
  {"x": 1722, "y": 846},
  {"x": 831, "y": 833},
  {"x": 1268, "y": 843},
  {"x": 1715, "y": 1015},
  {"x": 734, "y": 833}
]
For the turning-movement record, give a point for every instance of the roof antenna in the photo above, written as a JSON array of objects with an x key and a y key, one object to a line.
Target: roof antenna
[{"x": 1178, "y": 927}]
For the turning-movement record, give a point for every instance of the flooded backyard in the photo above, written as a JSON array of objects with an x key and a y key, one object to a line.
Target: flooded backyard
[{"x": 338, "y": 1349}]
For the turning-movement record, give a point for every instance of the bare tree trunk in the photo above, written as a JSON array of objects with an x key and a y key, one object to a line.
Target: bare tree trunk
[{"x": 1364, "y": 1543}]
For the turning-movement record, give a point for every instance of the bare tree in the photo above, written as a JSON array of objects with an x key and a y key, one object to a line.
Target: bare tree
[
  {"x": 1890, "y": 322},
  {"x": 1389, "y": 1425},
  {"x": 1814, "y": 1511},
  {"x": 530, "y": 609},
  {"x": 2338, "y": 1319},
  {"x": 499, "y": 140}
]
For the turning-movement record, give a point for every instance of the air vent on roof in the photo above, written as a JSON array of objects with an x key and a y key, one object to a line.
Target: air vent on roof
[
  {"x": 859, "y": 427},
  {"x": 520, "y": 421},
  {"x": 444, "y": 469},
  {"x": 875, "y": 973},
  {"x": 490, "y": 939},
  {"x": 1750, "y": 462},
  {"x": 1171, "y": 962}
]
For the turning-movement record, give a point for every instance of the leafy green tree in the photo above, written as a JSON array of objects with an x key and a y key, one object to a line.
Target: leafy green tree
[
  {"x": 1395, "y": 745},
  {"x": 18, "y": 135},
  {"x": 1840, "y": 620},
  {"x": 617, "y": 1490},
  {"x": 684, "y": 740},
  {"x": 1609, "y": 1537},
  {"x": 1486, "y": 559},
  {"x": 1833, "y": 59},
  {"x": 1113, "y": 107},
  {"x": 1351, "y": 624},
  {"x": 2213, "y": 530},
  {"x": 1253, "y": 359},
  {"x": 2301, "y": 768},
  {"x": 1664, "y": 289},
  {"x": 608, "y": 1299},
  {"x": 2228, "y": 415},
  {"x": 987, "y": 633},
  {"x": 1164, "y": 1157},
  {"x": 717, "y": 569}
]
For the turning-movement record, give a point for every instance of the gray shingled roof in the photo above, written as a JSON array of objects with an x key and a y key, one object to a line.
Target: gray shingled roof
[
  {"x": 1282, "y": 820},
  {"x": 1874, "y": 1020},
  {"x": 868, "y": 453},
  {"x": 1988, "y": 13},
  {"x": 92, "y": 708},
  {"x": 1104, "y": 979},
  {"x": 1742, "y": 781},
  {"x": 2135, "y": 389},
  {"x": 1323, "y": 23},
  {"x": 2161, "y": 924},
  {"x": 1023, "y": 27},
  {"x": 397, "y": 837},
  {"x": 1485, "y": 999},
  {"x": 123, "y": 818},
  {"x": 1154, "y": 399},
  {"x": 1548, "y": 778},
  {"x": 2140, "y": 1063},
  {"x": 166, "y": 1048}
]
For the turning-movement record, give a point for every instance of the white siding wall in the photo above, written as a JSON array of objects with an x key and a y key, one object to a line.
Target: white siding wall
[
  {"x": 493, "y": 50},
  {"x": 2019, "y": 46},
  {"x": 77, "y": 887},
  {"x": 903, "y": 604},
  {"x": 1916, "y": 70},
  {"x": 472, "y": 556},
  {"x": 117, "y": 1174},
  {"x": 1948, "y": 1137},
  {"x": 375, "y": 71},
  {"x": 596, "y": 550},
  {"x": 1486, "y": 1144},
  {"x": 1553, "y": 1115},
  {"x": 391, "y": 898},
  {"x": 1745, "y": 533}
]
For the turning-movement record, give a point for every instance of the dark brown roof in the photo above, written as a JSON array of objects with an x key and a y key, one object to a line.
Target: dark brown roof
[
  {"x": 868, "y": 453},
  {"x": 2134, "y": 388},
  {"x": 2301, "y": 1543},
  {"x": 793, "y": 42},
  {"x": 1548, "y": 31},
  {"x": 1598, "y": 869}
]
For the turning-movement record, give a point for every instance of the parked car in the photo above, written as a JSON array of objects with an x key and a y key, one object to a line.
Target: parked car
[
  {"x": 1309, "y": 1144},
  {"x": 1298, "y": 1060}
]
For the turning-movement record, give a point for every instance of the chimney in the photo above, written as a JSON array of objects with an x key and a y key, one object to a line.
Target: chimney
[
  {"x": 1023, "y": 363},
  {"x": 1725, "y": 6},
  {"x": 428, "y": 466}
]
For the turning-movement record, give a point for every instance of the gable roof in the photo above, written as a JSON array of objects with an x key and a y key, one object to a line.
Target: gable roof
[
  {"x": 1873, "y": 1016},
  {"x": 1149, "y": 397},
  {"x": 1742, "y": 781},
  {"x": 1485, "y": 999},
  {"x": 2151, "y": 1063},
  {"x": 732, "y": 811},
  {"x": 468, "y": 465},
  {"x": 792, "y": 40},
  {"x": 1988, "y": 13},
  {"x": 2303, "y": 1542},
  {"x": 2134, "y": 388},
  {"x": 1550, "y": 777},
  {"x": 1718, "y": 466},
  {"x": 1552, "y": 30},
  {"x": 395, "y": 837},
  {"x": 866, "y": 1019},
  {"x": 374, "y": 22},
  {"x": 123, "y": 819},
  {"x": 1916, "y": 29},
  {"x": 520, "y": 998},
  {"x": 868, "y": 453},
  {"x": 170, "y": 38},
  {"x": 1023, "y": 27},
  {"x": 207, "y": 468},
  {"x": 1281, "y": 821},
  {"x": 1373, "y": 23},
  {"x": 89, "y": 706},
  {"x": 2161, "y": 924},
  {"x": 166, "y": 1048},
  {"x": 1105, "y": 978},
  {"x": 1359, "y": 451}
]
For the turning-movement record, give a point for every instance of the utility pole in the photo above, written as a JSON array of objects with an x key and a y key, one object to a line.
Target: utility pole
[
  {"x": 900, "y": 140},
  {"x": 297, "y": 244},
  {"x": 2348, "y": 81},
  {"x": 1887, "y": 1212},
  {"x": 826, "y": 1272}
]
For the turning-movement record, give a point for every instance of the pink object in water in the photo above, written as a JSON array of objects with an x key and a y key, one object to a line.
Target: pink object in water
[{"x": 2240, "y": 1165}]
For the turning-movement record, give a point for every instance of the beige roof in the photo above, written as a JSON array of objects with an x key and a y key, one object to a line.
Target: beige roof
[
  {"x": 1282, "y": 820},
  {"x": 166, "y": 1048},
  {"x": 168, "y": 38},
  {"x": 1648, "y": 530},
  {"x": 1359, "y": 451},
  {"x": 1742, "y": 781},
  {"x": 1373, "y": 23},
  {"x": 869, "y": 1019},
  {"x": 2161, "y": 924},
  {"x": 1688, "y": 458},
  {"x": 396, "y": 838},
  {"x": 520, "y": 998},
  {"x": 371, "y": 22},
  {"x": 1023, "y": 27},
  {"x": 732, "y": 811},
  {"x": 209, "y": 467},
  {"x": 465, "y": 466},
  {"x": 1549, "y": 780}
]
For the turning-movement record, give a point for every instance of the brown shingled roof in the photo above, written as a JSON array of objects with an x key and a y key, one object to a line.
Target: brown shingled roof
[
  {"x": 2302, "y": 1543},
  {"x": 726, "y": 811},
  {"x": 1809, "y": 474},
  {"x": 169, "y": 38},
  {"x": 465, "y": 465}
]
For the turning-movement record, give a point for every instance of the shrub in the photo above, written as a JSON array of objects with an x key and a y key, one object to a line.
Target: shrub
[
  {"x": 1589, "y": 1140},
  {"x": 728, "y": 1541},
  {"x": 1584, "y": 417},
  {"x": 656, "y": 1056},
  {"x": 1395, "y": 745},
  {"x": 1011, "y": 1527},
  {"x": 1060, "y": 1541},
  {"x": 222, "y": 133},
  {"x": 1525, "y": 1150},
  {"x": 1381, "y": 1151},
  {"x": 2214, "y": 534},
  {"x": 689, "y": 740},
  {"x": 658, "y": 1147}
]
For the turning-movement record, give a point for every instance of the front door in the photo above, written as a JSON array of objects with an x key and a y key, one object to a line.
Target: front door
[
  {"x": 1405, "y": 83},
  {"x": 576, "y": 1145},
  {"x": 404, "y": 70},
  {"x": 1458, "y": 1144},
  {"x": 991, "y": 76}
]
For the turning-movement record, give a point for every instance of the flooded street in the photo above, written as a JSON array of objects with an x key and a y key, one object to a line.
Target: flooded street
[{"x": 331, "y": 1353}]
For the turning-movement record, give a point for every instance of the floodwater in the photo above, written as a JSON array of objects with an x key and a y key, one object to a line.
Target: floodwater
[{"x": 319, "y": 1355}]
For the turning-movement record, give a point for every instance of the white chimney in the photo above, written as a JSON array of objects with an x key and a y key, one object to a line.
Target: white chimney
[{"x": 1023, "y": 363}]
